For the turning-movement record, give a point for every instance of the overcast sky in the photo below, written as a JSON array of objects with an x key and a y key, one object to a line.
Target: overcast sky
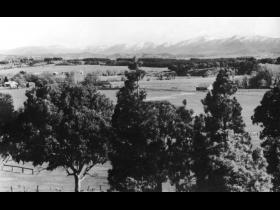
[{"x": 83, "y": 32}]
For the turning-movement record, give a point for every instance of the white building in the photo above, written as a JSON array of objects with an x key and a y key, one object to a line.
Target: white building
[{"x": 11, "y": 84}]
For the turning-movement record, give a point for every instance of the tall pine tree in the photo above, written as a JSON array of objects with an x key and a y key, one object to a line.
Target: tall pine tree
[
  {"x": 151, "y": 141},
  {"x": 267, "y": 115},
  {"x": 223, "y": 154}
]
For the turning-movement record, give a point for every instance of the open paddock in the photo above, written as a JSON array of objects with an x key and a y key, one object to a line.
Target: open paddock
[
  {"x": 99, "y": 69},
  {"x": 54, "y": 181}
]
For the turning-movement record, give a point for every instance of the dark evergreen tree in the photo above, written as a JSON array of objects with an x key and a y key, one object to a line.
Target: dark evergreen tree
[
  {"x": 6, "y": 108},
  {"x": 7, "y": 115},
  {"x": 223, "y": 153},
  {"x": 180, "y": 158},
  {"x": 148, "y": 138},
  {"x": 221, "y": 108},
  {"x": 267, "y": 115}
]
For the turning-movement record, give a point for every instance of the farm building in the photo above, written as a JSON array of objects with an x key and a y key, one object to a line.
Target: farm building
[
  {"x": 204, "y": 87},
  {"x": 11, "y": 84}
]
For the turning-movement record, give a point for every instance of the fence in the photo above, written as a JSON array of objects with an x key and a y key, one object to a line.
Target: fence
[{"x": 12, "y": 168}]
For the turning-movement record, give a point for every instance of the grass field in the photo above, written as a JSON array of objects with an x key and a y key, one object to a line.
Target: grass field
[
  {"x": 59, "y": 69},
  {"x": 18, "y": 96},
  {"x": 99, "y": 69},
  {"x": 249, "y": 100},
  {"x": 54, "y": 181},
  {"x": 174, "y": 91}
]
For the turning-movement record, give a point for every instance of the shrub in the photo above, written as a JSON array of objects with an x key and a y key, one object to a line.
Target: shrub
[{"x": 263, "y": 79}]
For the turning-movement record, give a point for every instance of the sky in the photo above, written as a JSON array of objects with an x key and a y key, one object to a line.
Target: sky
[{"x": 84, "y": 32}]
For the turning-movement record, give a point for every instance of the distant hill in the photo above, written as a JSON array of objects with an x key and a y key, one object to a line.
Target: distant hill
[{"x": 257, "y": 46}]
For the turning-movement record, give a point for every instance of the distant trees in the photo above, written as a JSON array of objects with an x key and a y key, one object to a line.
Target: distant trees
[
  {"x": 278, "y": 60},
  {"x": 52, "y": 59},
  {"x": 23, "y": 78},
  {"x": 75, "y": 61},
  {"x": 247, "y": 66},
  {"x": 197, "y": 67},
  {"x": 179, "y": 69},
  {"x": 64, "y": 125},
  {"x": 90, "y": 79},
  {"x": 263, "y": 79},
  {"x": 98, "y": 61},
  {"x": 243, "y": 83},
  {"x": 267, "y": 60},
  {"x": 46, "y": 78}
]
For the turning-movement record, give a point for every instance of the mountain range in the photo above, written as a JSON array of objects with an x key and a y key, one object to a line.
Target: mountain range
[{"x": 258, "y": 46}]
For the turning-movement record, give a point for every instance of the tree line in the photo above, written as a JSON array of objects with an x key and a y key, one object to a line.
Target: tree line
[
  {"x": 73, "y": 126},
  {"x": 182, "y": 67}
]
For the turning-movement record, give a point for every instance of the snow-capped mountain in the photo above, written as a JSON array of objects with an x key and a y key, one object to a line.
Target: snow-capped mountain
[{"x": 196, "y": 47}]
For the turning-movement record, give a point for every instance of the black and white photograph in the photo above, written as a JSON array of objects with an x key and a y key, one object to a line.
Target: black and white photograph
[{"x": 140, "y": 104}]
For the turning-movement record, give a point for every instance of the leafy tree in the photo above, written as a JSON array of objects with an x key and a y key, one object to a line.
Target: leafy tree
[
  {"x": 263, "y": 79},
  {"x": 247, "y": 66},
  {"x": 64, "y": 125},
  {"x": 223, "y": 154},
  {"x": 90, "y": 79},
  {"x": 267, "y": 115},
  {"x": 41, "y": 80},
  {"x": 236, "y": 167}
]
